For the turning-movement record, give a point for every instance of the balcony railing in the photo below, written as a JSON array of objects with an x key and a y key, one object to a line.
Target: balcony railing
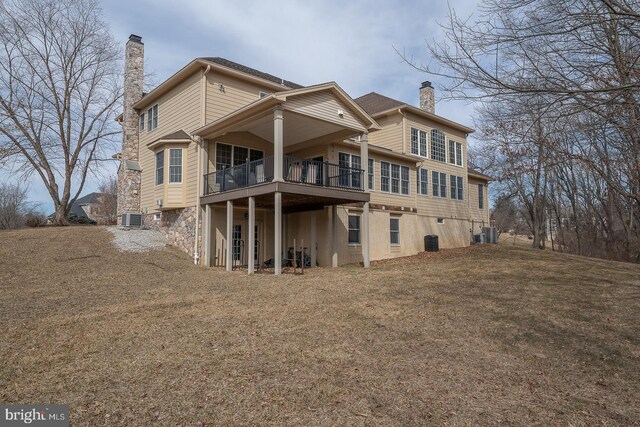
[{"x": 322, "y": 174}]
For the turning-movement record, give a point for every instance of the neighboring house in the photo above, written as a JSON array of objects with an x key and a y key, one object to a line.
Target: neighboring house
[
  {"x": 84, "y": 210},
  {"x": 234, "y": 165}
]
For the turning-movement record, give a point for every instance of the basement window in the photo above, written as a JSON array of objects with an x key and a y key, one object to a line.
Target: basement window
[
  {"x": 394, "y": 231},
  {"x": 440, "y": 220},
  {"x": 354, "y": 229},
  {"x": 156, "y": 216}
]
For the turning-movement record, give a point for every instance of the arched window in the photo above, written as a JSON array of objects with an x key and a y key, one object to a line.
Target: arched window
[{"x": 438, "y": 148}]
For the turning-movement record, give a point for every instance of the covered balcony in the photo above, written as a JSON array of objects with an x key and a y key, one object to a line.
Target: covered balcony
[
  {"x": 297, "y": 170},
  {"x": 290, "y": 126}
]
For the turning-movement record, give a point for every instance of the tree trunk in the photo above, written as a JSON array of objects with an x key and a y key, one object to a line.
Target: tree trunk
[{"x": 60, "y": 218}]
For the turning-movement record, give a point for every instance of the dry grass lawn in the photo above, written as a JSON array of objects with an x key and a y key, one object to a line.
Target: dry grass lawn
[{"x": 477, "y": 336}]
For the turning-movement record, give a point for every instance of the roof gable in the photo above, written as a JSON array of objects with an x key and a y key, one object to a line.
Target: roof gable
[{"x": 374, "y": 103}]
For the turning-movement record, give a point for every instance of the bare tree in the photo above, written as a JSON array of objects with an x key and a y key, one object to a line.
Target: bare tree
[
  {"x": 559, "y": 91},
  {"x": 106, "y": 209},
  {"x": 13, "y": 206},
  {"x": 59, "y": 90}
]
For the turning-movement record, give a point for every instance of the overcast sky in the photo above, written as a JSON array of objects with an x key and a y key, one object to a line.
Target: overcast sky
[{"x": 308, "y": 42}]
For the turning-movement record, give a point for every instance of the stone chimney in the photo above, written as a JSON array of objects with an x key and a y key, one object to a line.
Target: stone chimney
[
  {"x": 427, "y": 97},
  {"x": 129, "y": 172}
]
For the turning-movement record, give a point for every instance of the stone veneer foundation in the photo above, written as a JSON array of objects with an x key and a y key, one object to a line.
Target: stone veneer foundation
[{"x": 178, "y": 226}]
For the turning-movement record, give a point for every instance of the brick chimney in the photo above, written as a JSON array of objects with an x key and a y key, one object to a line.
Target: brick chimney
[
  {"x": 427, "y": 97},
  {"x": 129, "y": 172}
]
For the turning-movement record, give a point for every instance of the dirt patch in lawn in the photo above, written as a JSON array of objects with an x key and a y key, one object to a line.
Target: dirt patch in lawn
[{"x": 475, "y": 336}]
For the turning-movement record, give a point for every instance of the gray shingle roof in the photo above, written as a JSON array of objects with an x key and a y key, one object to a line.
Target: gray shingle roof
[
  {"x": 251, "y": 71},
  {"x": 479, "y": 174},
  {"x": 76, "y": 208},
  {"x": 374, "y": 103},
  {"x": 180, "y": 134}
]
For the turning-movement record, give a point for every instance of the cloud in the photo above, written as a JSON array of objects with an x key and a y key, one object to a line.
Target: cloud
[
  {"x": 307, "y": 42},
  {"x": 351, "y": 43}
]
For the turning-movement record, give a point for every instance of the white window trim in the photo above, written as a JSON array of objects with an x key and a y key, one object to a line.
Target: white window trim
[
  {"x": 181, "y": 167},
  {"x": 426, "y": 142},
  {"x": 446, "y": 147},
  {"x": 164, "y": 162},
  {"x": 394, "y": 245},
  {"x": 440, "y": 221},
  {"x": 373, "y": 172},
  {"x": 449, "y": 184},
  {"x": 446, "y": 181},
  {"x": 359, "y": 215},
  {"x": 461, "y": 165},
  {"x": 149, "y": 128},
  {"x": 419, "y": 181},
  {"x": 156, "y": 216},
  {"x": 390, "y": 178}
]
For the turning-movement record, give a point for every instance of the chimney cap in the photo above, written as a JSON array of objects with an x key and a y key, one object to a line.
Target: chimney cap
[
  {"x": 426, "y": 83},
  {"x": 135, "y": 38}
]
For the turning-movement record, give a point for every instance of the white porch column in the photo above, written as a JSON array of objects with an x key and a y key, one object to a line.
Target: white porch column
[
  {"x": 204, "y": 168},
  {"x": 364, "y": 159},
  {"x": 314, "y": 237},
  {"x": 252, "y": 236},
  {"x": 206, "y": 231},
  {"x": 277, "y": 232},
  {"x": 278, "y": 143},
  {"x": 334, "y": 236},
  {"x": 229, "y": 262}
]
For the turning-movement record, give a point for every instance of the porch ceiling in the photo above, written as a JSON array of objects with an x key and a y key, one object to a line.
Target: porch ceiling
[
  {"x": 297, "y": 128},
  {"x": 295, "y": 197}
]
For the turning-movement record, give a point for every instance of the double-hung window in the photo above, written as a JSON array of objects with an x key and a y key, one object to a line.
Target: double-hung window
[
  {"x": 394, "y": 231},
  {"x": 175, "y": 165},
  {"x": 160, "y": 167},
  {"x": 141, "y": 122},
  {"x": 394, "y": 178},
  {"x": 370, "y": 175},
  {"x": 438, "y": 150},
  {"x": 423, "y": 181},
  {"x": 385, "y": 175},
  {"x": 480, "y": 196},
  {"x": 349, "y": 170},
  {"x": 455, "y": 153},
  {"x": 354, "y": 229},
  {"x": 457, "y": 192},
  {"x": 439, "y": 184},
  {"x": 418, "y": 142},
  {"x": 152, "y": 118}
]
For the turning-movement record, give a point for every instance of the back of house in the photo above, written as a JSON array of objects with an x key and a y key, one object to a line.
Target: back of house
[{"x": 238, "y": 167}]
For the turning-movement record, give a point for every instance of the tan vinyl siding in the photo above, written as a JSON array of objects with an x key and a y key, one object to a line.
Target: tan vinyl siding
[
  {"x": 178, "y": 109},
  {"x": 324, "y": 105},
  {"x": 226, "y": 94},
  {"x": 474, "y": 211},
  {"x": 390, "y": 136}
]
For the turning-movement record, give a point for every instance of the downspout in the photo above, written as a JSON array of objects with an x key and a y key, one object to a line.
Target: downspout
[{"x": 203, "y": 118}]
